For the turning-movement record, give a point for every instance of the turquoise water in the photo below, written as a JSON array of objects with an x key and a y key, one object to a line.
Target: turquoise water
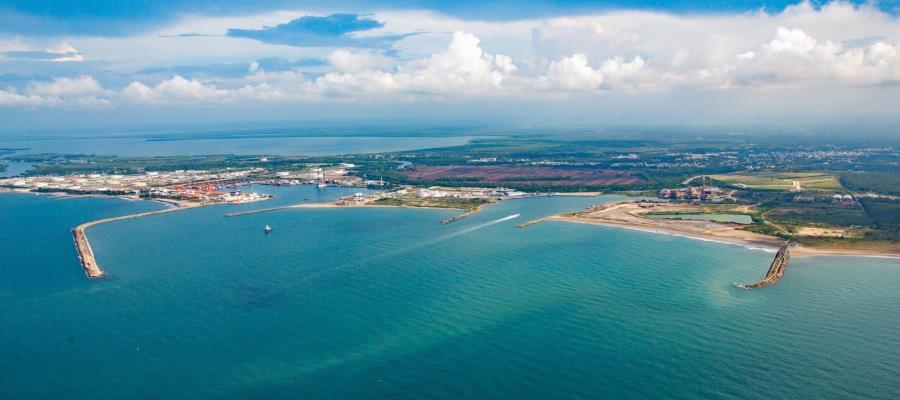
[
  {"x": 310, "y": 146},
  {"x": 390, "y": 304},
  {"x": 733, "y": 218},
  {"x": 15, "y": 169}
]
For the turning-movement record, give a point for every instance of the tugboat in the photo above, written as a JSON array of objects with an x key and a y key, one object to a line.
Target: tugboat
[{"x": 267, "y": 229}]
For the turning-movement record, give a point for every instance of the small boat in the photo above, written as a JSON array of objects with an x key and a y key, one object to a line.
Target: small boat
[
  {"x": 322, "y": 185},
  {"x": 267, "y": 229}
]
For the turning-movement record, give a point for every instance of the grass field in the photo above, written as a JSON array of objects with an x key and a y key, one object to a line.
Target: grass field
[{"x": 782, "y": 180}]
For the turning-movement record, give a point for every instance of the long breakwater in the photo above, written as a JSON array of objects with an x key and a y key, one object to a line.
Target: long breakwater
[
  {"x": 83, "y": 245},
  {"x": 776, "y": 269}
]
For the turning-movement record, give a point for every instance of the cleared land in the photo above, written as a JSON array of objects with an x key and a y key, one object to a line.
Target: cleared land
[
  {"x": 795, "y": 181},
  {"x": 525, "y": 175},
  {"x": 631, "y": 214}
]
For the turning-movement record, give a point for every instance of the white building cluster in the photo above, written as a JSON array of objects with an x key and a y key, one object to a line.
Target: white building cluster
[{"x": 468, "y": 193}]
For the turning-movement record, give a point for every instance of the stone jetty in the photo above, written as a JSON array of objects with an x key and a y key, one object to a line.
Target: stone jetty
[{"x": 776, "y": 269}]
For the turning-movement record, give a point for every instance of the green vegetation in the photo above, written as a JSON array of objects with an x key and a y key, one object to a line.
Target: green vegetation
[
  {"x": 799, "y": 209},
  {"x": 877, "y": 182},
  {"x": 878, "y": 219},
  {"x": 885, "y": 215},
  {"x": 762, "y": 168},
  {"x": 56, "y": 164},
  {"x": 444, "y": 202},
  {"x": 832, "y": 243},
  {"x": 68, "y": 164},
  {"x": 780, "y": 180}
]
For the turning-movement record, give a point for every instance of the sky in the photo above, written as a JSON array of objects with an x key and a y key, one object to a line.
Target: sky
[{"x": 108, "y": 63}]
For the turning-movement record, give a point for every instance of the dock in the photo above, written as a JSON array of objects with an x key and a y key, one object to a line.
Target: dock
[
  {"x": 460, "y": 216},
  {"x": 261, "y": 210},
  {"x": 776, "y": 269},
  {"x": 83, "y": 245}
]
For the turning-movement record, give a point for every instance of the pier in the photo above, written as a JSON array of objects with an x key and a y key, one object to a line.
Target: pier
[
  {"x": 83, "y": 245},
  {"x": 532, "y": 222},
  {"x": 776, "y": 269},
  {"x": 460, "y": 216},
  {"x": 261, "y": 210}
]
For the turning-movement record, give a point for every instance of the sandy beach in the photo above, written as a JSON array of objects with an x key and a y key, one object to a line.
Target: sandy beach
[{"x": 630, "y": 215}]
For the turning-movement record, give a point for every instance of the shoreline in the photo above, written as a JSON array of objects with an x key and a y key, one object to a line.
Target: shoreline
[
  {"x": 765, "y": 246},
  {"x": 770, "y": 244},
  {"x": 333, "y": 205}
]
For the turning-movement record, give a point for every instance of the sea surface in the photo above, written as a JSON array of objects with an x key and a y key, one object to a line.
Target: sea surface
[
  {"x": 308, "y": 145},
  {"x": 15, "y": 168},
  {"x": 388, "y": 303}
]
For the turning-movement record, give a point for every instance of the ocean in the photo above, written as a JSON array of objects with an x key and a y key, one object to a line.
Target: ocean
[
  {"x": 135, "y": 146},
  {"x": 388, "y": 303}
]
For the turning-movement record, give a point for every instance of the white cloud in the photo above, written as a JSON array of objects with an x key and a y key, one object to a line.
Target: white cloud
[
  {"x": 79, "y": 91},
  {"x": 792, "y": 41},
  {"x": 63, "y": 87},
  {"x": 748, "y": 55},
  {"x": 836, "y": 45},
  {"x": 347, "y": 61},
  {"x": 60, "y": 52},
  {"x": 573, "y": 72},
  {"x": 794, "y": 57},
  {"x": 174, "y": 90},
  {"x": 65, "y": 52},
  {"x": 463, "y": 68}
]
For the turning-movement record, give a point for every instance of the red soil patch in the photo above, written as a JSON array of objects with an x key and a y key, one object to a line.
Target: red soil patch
[{"x": 526, "y": 175}]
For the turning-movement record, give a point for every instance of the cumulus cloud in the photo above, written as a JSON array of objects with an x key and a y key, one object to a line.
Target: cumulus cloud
[
  {"x": 574, "y": 73},
  {"x": 793, "y": 57},
  {"x": 830, "y": 44},
  {"x": 462, "y": 68},
  {"x": 835, "y": 45},
  {"x": 175, "y": 90},
  {"x": 61, "y": 87},
  {"x": 83, "y": 90},
  {"x": 346, "y": 61}
]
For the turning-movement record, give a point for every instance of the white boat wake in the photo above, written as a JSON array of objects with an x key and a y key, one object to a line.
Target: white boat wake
[{"x": 412, "y": 247}]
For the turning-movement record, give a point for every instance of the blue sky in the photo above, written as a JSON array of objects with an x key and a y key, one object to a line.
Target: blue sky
[
  {"x": 600, "y": 62},
  {"x": 115, "y": 17}
]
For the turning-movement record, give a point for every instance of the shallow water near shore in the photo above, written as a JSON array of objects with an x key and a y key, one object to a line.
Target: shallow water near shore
[{"x": 389, "y": 303}]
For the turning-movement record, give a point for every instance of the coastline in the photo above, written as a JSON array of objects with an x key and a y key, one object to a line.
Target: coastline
[
  {"x": 622, "y": 214},
  {"x": 725, "y": 235},
  {"x": 770, "y": 245},
  {"x": 332, "y": 205}
]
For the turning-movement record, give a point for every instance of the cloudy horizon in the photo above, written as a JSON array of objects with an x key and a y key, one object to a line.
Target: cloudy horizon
[{"x": 289, "y": 60}]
